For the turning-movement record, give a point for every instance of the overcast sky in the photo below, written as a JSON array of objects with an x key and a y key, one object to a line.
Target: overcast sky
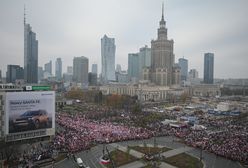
[{"x": 71, "y": 28}]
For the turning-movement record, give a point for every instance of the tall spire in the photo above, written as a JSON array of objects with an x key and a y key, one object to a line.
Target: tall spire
[
  {"x": 162, "y": 22},
  {"x": 163, "y": 11},
  {"x": 24, "y": 14}
]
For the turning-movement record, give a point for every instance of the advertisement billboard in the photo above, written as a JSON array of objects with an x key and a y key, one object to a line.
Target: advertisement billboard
[{"x": 30, "y": 111}]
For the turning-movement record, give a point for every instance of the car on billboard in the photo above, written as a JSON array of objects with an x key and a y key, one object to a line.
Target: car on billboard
[{"x": 35, "y": 119}]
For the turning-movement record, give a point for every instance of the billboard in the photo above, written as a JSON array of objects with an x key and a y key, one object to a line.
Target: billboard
[{"x": 29, "y": 112}]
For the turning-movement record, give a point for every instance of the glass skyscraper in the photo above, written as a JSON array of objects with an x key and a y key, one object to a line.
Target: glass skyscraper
[
  {"x": 183, "y": 63},
  {"x": 209, "y": 68},
  {"x": 133, "y": 66},
  {"x": 30, "y": 55},
  {"x": 58, "y": 68}
]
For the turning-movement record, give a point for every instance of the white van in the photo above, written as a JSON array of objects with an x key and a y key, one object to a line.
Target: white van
[{"x": 80, "y": 162}]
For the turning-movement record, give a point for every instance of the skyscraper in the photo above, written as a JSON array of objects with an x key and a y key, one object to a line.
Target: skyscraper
[
  {"x": 30, "y": 54},
  {"x": 133, "y": 66},
  {"x": 118, "y": 68},
  {"x": 183, "y": 63},
  {"x": 209, "y": 68},
  {"x": 144, "y": 59},
  {"x": 14, "y": 72},
  {"x": 40, "y": 73},
  {"x": 69, "y": 69},
  {"x": 94, "y": 69},
  {"x": 108, "y": 58},
  {"x": 48, "y": 67},
  {"x": 58, "y": 69},
  {"x": 193, "y": 74},
  {"x": 163, "y": 70},
  {"x": 80, "y": 70}
]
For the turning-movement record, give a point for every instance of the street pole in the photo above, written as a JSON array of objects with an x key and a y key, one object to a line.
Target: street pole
[{"x": 112, "y": 162}]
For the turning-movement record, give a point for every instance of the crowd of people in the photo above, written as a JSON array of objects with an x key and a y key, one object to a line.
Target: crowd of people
[
  {"x": 78, "y": 133},
  {"x": 225, "y": 137}
]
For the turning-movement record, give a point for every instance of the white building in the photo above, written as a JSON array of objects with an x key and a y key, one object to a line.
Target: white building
[
  {"x": 144, "y": 92},
  {"x": 108, "y": 58}
]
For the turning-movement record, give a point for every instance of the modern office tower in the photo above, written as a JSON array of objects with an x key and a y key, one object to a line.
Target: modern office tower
[
  {"x": 118, "y": 68},
  {"x": 163, "y": 70},
  {"x": 193, "y": 74},
  {"x": 133, "y": 66},
  {"x": 183, "y": 64},
  {"x": 108, "y": 59},
  {"x": 48, "y": 67},
  {"x": 69, "y": 69},
  {"x": 209, "y": 68},
  {"x": 30, "y": 54},
  {"x": 94, "y": 69},
  {"x": 144, "y": 59},
  {"x": 40, "y": 73},
  {"x": 80, "y": 70},
  {"x": 58, "y": 69},
  {"x": 92, "y": 79},
  {"x": 13, "y": 73}
]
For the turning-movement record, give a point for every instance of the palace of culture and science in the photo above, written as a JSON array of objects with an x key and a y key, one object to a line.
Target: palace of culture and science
[{"x": 163, "y": 71}]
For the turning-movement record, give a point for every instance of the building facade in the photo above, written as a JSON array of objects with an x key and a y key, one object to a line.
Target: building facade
[
  {"x": 94, "y": 69},
  {"x": 69, "y": 69},
  {"x": 48, "y": 67},
  {"x": 92, "y": 79},
  {"x": 193, "y": 74},
  {"x": 13, "y": 73},
  {"x": 133, "y": 66},
  {"x": 144, "y": 60},
  {"x": 30, "y": 55},
  {"x": 58, "y": 68},
  {"x": 80, "y": 70},
  {"x": 183, "y": 63},
  {"x": 209, "y": 68},
  {"x": 108, "y": 59},
  {"x": 163, "y": 71}
]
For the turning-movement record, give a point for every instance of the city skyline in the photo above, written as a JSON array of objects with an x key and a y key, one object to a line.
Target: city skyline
[{"x": 78, "y": 31}]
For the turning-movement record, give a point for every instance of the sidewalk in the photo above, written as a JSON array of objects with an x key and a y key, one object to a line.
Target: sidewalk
[
  {"x": 136, "y": 164},
  {"x": 176, "y": 151},
  {"x": 131, "y": 152}
]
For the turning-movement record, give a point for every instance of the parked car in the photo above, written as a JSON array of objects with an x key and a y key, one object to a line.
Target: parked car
[{"x": 34, "y": 119}]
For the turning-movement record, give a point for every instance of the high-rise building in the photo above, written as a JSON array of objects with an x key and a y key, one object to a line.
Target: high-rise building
[
  {"x": 69, "y": 69},
  {"x": 0, "y": 75},
  {"x": 163, "y": 70},
  {"x": 193, "y": 74},
  {"x": 80, "y": 70},
  {"x": 40, "y": 73},
  {"x": 13, "y": 73},
  {"x": 108, "y": 58},
  {"x": 30, "y": 54},
  {"x": 183, "y": 64},
  {"x": 118, "y": 68},
  {"x": 48, "y": 67},
  {"x": 133, "y": 66},
  {"x": 94, "y": 69},
  {"x": 58, "y": 69},
  {"x": 209, "y": 68},
  {"x": 144, "y": 59},
  {"x": 92, "y": 79}
]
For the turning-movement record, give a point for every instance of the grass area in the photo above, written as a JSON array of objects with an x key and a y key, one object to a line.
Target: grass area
[
  {"x": 151, "y": 150},
  {"x": 121, "y": 158},
  {"x": 184, "y": 161},
  {"x": 151, "y": 165}
]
